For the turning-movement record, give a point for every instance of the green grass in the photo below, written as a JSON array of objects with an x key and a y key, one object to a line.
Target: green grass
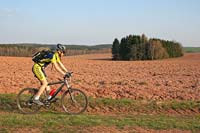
[
  {"x": 51, "y": 121},
  {"x": 143, "y": 105},
  {"x": 8, "y": 104},
  {"x": 191, "y": 49},
  {"x": 46, "y": 121}
]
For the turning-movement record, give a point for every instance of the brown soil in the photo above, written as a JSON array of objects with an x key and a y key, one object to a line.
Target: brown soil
[
  {"x": 104, "y": 129},
  {"x": 99, "y": 76},
  {"x": 100, "y": 129}
]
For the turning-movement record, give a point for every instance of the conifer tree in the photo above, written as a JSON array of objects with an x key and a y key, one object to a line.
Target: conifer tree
[{"x": 115, "y": 49}]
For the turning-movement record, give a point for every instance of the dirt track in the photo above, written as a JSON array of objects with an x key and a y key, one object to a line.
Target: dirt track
[{"x": 99, "y": 76}]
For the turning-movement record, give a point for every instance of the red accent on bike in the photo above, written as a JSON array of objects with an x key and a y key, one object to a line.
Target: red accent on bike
[{"x": 52, "y": 92}]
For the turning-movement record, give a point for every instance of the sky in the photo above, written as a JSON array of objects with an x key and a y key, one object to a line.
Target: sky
[{"x": 91, "y": 22}]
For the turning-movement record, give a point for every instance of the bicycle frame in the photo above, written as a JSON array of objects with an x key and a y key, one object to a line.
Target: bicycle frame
[
  {"x": 63, "y": 83},
  {"x": 79, "y": 100}
]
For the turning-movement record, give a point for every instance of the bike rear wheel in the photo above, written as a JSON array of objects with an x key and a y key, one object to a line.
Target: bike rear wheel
[
  {"x": 74, "y": 101},
  {"x": 24, "y": 101}
]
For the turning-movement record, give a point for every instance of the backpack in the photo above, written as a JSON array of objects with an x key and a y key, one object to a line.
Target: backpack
[{"x": 44, "y": 54}]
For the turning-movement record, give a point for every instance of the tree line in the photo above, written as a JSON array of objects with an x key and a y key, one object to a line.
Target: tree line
[
  {"x": 27, "y": 50},
  {"x": 135, "y": 47}
]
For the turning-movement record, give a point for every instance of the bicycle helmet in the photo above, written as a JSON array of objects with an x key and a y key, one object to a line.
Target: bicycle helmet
[{"x": 60, "y": 47}]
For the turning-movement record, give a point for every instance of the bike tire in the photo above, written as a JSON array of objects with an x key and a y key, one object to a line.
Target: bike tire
[
  {"x": 24, "y": 99},
  {"x": 68, "y": 102}
]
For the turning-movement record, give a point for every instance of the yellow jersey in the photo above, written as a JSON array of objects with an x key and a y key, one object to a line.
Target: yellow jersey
[{"x": 45, "y": 62}]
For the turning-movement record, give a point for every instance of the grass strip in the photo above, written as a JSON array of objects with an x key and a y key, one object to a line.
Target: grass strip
[
  {"x": 8, "y": 104},
  {"x": 49, "y": 120}
]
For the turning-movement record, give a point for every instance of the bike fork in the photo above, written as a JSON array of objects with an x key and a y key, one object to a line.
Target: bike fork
[{"x": 72, "y": 98}]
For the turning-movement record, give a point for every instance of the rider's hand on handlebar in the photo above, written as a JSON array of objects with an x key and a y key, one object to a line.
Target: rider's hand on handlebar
[{"x": 68, "y": 75}]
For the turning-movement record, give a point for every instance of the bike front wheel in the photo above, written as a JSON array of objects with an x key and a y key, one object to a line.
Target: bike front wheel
[
  {"x": 74, "y": 101},
  {"x": 24, "y": 101}
]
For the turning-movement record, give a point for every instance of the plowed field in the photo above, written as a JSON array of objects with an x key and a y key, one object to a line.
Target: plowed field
[{"x": 99, "y": 76}]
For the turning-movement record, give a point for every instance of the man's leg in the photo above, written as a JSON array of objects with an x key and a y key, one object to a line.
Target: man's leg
[
  {"x": 39, "y": 93},
  {"x": 42, "y": 88},
  {"x": 39, "y": 73},
  {"x": 48, "y": 88}
]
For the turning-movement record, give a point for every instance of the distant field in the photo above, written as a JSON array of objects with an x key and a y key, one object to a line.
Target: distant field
[
  {"x": 191, "y": 49},
  {"x": 99, "y": 76}
]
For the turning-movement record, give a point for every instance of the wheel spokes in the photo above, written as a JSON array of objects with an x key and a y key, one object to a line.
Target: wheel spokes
[
  {"x": 24, "y": 101},
  {"x": 74, "y": 102}
]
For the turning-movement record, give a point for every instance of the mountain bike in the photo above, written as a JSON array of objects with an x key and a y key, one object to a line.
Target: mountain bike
[{"x": 73, "y": 101}]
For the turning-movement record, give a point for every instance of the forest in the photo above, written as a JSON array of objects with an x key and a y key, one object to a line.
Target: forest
[
  {"x": 27, "y": 50},
  {"x": 136, "y": 47}
]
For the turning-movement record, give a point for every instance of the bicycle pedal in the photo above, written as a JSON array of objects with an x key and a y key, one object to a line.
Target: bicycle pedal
[
  {"x": 29, "y": 104},
  {"x": 47, "y": 104}
]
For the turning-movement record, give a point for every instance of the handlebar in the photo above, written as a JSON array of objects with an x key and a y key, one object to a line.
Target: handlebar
[{"x": 68, "y": 75}]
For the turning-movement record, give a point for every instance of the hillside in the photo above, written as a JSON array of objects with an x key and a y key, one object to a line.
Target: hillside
[
  {"x": 68, "y": 46},
  {"x": 191, "y": 49},
  {"x": 24, "y": 50}
]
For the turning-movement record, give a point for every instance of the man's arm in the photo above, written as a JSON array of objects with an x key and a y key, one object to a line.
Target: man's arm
[
  {"x": 62, "y": 66},
  {"x": 58, "y": 68}
]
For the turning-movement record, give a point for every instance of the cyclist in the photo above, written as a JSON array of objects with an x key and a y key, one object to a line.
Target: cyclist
[{"x": 38, "y": 70}]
